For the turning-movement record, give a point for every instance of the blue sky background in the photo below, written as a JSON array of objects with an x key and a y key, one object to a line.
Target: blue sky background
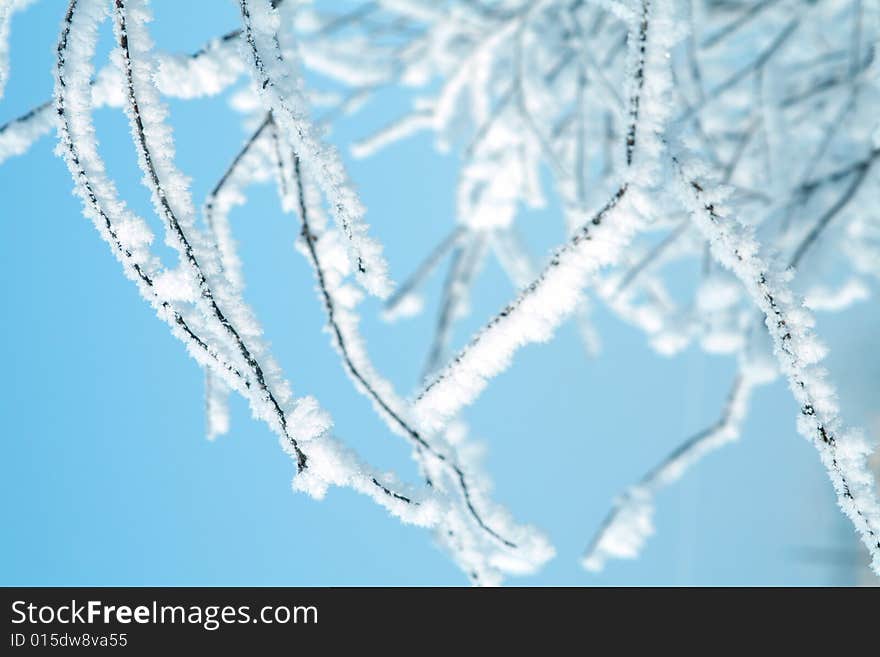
[{"x": 106, "y": 477}]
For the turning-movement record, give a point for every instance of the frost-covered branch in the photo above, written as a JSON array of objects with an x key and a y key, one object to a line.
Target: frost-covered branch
[
  {"x": 843, "y": 452},
  {"x": 206, "y": 72},
  {"x": 7, "y": 10},
  {"x": 249, "y": 165},
  {"x": 630, "y": 523},
  {"x": 404, "y": 300},
  {"x": 171, "y": 201},
  {"x": 281, "y": 90}
]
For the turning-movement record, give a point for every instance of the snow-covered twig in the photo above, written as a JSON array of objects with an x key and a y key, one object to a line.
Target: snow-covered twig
[
  {"x": 843, "y": 453},
  {"x": 629, "y": 524},
  {"x": 171, "y": 201},
  {"x": 7, "y": 9},
  {"x": 206, "y": 72},
  {"x": 466, "y": 261},
  {"x": 281, "y": 89},
  {"x": 404, "y": 299},
  {"x": 247, "y": 166}
]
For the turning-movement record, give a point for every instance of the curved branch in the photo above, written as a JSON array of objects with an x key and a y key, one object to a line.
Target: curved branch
[
  {"x": 629, "y": 523},
  {"x": 179, "y": 234},
  {"x": 99, "y": 195},
  {"x": 362, "y": 372}
]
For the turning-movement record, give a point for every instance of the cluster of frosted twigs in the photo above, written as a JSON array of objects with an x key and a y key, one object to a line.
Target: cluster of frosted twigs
[{"x": 668, "y": 129}]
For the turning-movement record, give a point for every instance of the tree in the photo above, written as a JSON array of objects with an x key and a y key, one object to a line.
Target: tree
[{"x": 679, "y": 120}]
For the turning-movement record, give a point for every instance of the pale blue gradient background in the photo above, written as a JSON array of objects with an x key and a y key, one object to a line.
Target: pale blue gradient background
[{"x": 107, "y": 477}]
